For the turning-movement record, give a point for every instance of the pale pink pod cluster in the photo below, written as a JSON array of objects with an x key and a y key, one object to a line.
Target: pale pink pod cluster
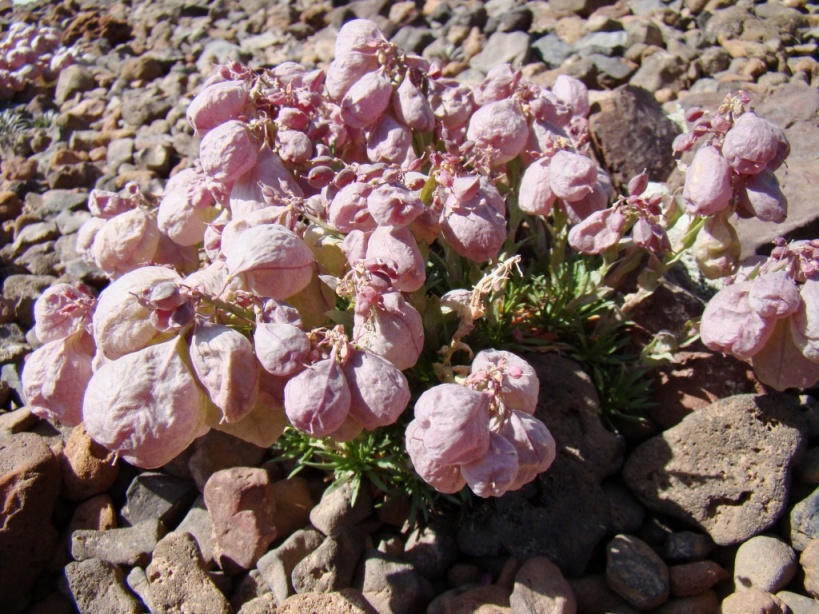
[
  {"x": 366, "y": 100},
  {"x": 146, "y": 406},
  {"x": 500, "y": 128},
  {"x": 216, "y": 104},
  {"x": 29, "y": 52},
  {"x": 228, "y": 151},
  {"x": 126, "y": 242},
  {"x": 519, "y": 385},
  {"x": 475, "y": 226},
  {"x": 281, "y": 348},
  {"x": 395, "y": 247},
  {"x": 186, "y": 208},
  {"x": 317, "y": 400},
  {"x": 708, "y": 187},
  {"x": 62, "y": 310},
  {"x": 379, "y": 392},
  {"x": 598, "y": 232},
  {"x": 267, "y": 182},
  {"x": 393, "y": 329}
]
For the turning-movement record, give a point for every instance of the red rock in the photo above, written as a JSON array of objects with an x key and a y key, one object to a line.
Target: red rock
[
  {"x": 88, "y": 468},
  {"x": 293, "y": 505},
  {"x": 694, "y": 578}
]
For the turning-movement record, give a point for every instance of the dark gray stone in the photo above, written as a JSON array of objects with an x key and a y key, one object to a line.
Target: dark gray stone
[
  {"x": 331, "y": 566},
  {"x": 97, "y": 586},
  {"x": 391, "y": 585},
  {"x": 552, "y": 49},
  {"x": 154, "y": 495},
  {"x": 636, "y": 573},
  {"x": 126, "y": 546}
]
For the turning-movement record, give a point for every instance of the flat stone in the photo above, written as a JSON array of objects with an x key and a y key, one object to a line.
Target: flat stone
[
  {"x": 154, "y": 495},
  {"x": 431, "y": 551},
  {"x": 88, "y": 468},
  {"x": 691, "y": 579},
  {"x": 216, "y": 451},
  {"x": 391, "y": 585},
  {"x": 330, "y": 567},
  {"x": 337, "y": 509},
  {"x": 799, "y": 604},
  {"x": 503, "y": 47},
  {"x": 636, "y": 573},
  {"x": 127, "y": 546},
  {"x": 17, "y": 420},
  {"x": 724, "y": 468},
  {"x": 345, "y": 601},
  {"x": 277, "y": 565},
  {"x": 766, "y": 562},
  {"x": 53, "y": 202},
  {"x": 541, "y": 587},
  {"x": 197, "y": 522},
  {"x": 97, "y": 586},
  {"x": 96, "y": 514},
  {"x": 476, "y": 599},
  {"x": 293, "y": 505}
]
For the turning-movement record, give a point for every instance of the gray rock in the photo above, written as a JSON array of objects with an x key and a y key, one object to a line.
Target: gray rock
[
  {"x": 431, "y": 551},
  {"x": 197, "y": 522},
  {"x": 540, "y": 588},
  {"x": 660, "y": 70},
  {"x": 687, "y": 546},
  {"x": 704, "y": 603},
  {"x": 155, "y": 157},
  {"x": 611, "y": 72},
  {"x": 120, "y": 151},
  {"x": 10, "y": 379},
  {"x": 593, "y": 594},
  {"x": 29, "y": 235},
  {"x": 713, "y": 60},
  {"x": 799, "y": 604},
  {"x": 219, "y": 52},
  {"x": 726, "y": 23},
  {"x": 643, "y": 31},
  {"x": 53, "y": 202},
  {"x": 804, "y": 521},
  {"x": 724, "y": 468},
  {"x": 624, "y": 511},
  {"x": 337, "y": 508},
  {"x": 177, "y": 576},
  {"x": 250, "y": 587},
  {"x": 127, "y": 546},
  {"x": 74, "y": 79},
  {"x": 22, "y": 291},
  {"x": 636, "y": 573},
  {"x": 490, "y": 598},
  {"x": 97, "y": 586},
  {"x": 413, "y": 39},
  {"x": 277, "y": 565},
  {"x": 390, "y": 585},
  {"x": 581, "y": 7},
  {"x": 809, "y": 561},
  {"x": 154, "y": 495},
  {"x": 552, "y": 49},
  {"x": 137, "y": 581},
  {"x": 765, "y": 562},
  {"x": 807, "y": 470},
  {"x": 68, "y": 222},
  {"x": 606, "y": 43},
  {"x": 502, "y": 47},
  {"x": 331, "y": 566},
  {"x": 141, "y": 107},
  {"x": 263, "y": 604},
  {"x": 218, "y": 450}
]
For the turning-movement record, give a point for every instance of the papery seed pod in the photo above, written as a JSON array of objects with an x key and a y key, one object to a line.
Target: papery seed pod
[
  {"x": 358, "y": 35},
  {"x": 762, "y": 197},
  {"x": 500, "y": 83},
  {"x": 596, "y": 200},
  {"x": 185, "y": 209},
  {"x": 262, "y": 426},
  {"x": 571, "y": 175},
  {"x": 412, "y": 108},
  {"x": 349, "y": 430},
  {"x": 271, "y": 215},
  {"x": 717, "y": 248},
  {"x": 354, "y": 245},
  {"x": 268, "y": 181},
  {"x": 751, "y": 144},
  {"x": 326, "y": 248},
  {"x": 146, "y": 406},
  {"x": 348, "y": 210},
  {"x": 121, "y": 324},
  {"x": 278, "y": 312},
  {"x": 805, "y": 321},
  {"x": 227, "y": 152},
  {"x": 638, "y": 184},
  {"x": 317, "y": 400},
  {"x": 282, "y": 349},
  {"x": 730, "y": 325},
  {"x": 291, "y": 118},
  {"x": 573, "y": 93},
  {"x": 520, "y": 385},
  {"x": 476, "y": 230},
  {"x": 495, "y": 472},
  {"x": 379, "y": 391},
  {"x": 650, "y": 236},
  {"x": 365, "y": 102},
  {"x": 452, "y": 102},
  {"x": 345, "y": 70},
  {"x": 444, "y": 478},
  {"x": 212, "y": 241},
  {"x": 774, "y": 295},
  {"x": 534, "y": 444},
  {"x": 216, "y": 104},
  {"x": 708, "y": 188},
  {"x": 781, "y": 363},
  {"x": 105, "y": 204},
  {"x": 272, "y": 261},
  {"x": 536, "y": 196},
  {"x": 62, "y": 310},
  {"x": 455, "y": 421},
  {"x": 126, "y": 242},
  {"x": 394, "y": 331},
  {"x": 294, "y": 146},
  {"x": 55, "y": 376},
  {"x": 225, "y": 365},
  {"x": 391, "y": 204},
  {"x": 390, "y": 142},
  {"x": 598, "y": 232},
  {"x": 500, "y": 126},
  {"x": 396, "y": 248},
  {"x": 549, "y": 111}
]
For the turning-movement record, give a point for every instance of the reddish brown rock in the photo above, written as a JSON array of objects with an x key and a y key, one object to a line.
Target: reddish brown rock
[
  {"x": 541, "y": 587},
  {"x": 19, "y": 169},
  {"x": 93, "y": 26},
  {"x": 489, "y": 599},
  {"x": 10, "y": 205},
  {"x": 88, "y": 468},
  {"x": 293, "y": 505},
  {"x": 96, "y": 514},
  {"x": 241, "y": 506},
  {"x": 345, "y": 601},
  {"x": 694, "y": 578}
]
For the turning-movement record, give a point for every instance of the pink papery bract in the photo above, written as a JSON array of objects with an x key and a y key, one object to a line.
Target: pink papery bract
[
  {"x": 227, "y": 152},
  {"x": 598, "y": 232},
  {"x": 62, "y": 310},
  {"x": 708, "y": 186},
  {"x": 379, "y": 391},
  {"x": 392, "y": 204},
  {"x": 475, "y": 229},
  {"x": 774, "y": 295},
  {"x": 226, "y": 366},
  {"x": 345, "y": 70},
  {"x": 216, "y": 104},
  {"x": 366, "y": 100},
  {"x": 348, "y": 209},
  {"x": 273, "y": 261},
  {"x": 520, "y": 385},
  {"x": 751, "y": 144},
  {"x": 500, "y": 126},
  {"x": 781, "y": 363},
  {"x": 412, "y": 108},
  {"x": 185, "y": 209},
  {"x": 105, "y": 204},
  {"x": 763, "y": 197},
  {"x": 572, "y": 176},
  {"x": 281, "y": 348},
  {"x": 358, "y": 35},
  {"x": 573, "y": 93},
  {"x": 492, "y": 474},
  {"x": 317, "y": 400},
  {"x": 806, "y": 320},
  {"x": 455, "y": 420},
  {"x": 86, "y": 236},
  {"x": 55, "y": 376},
  {"x": 396, "y": 247},
  {"x": 535, "y": 196},
  {"x": 444, "y": 478},
  {"x": 146, "y": 406},
  {"x": 126, "y": 242},
  {"x": 121, "y": 323},
  {"x": 534, "y": 444},
  {"x": 394, "y": 331},
  {"x": 390, "y": 142},
  {"x": 730, "y": 325},
  {"x": 269, "y": 173}
]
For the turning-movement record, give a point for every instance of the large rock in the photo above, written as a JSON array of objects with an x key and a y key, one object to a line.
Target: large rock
[
  {"x": 29, "y": 486},
  {"x": 632, "y": 133},
  {"x": 97, "y": 586},
  {"x": 541, "y": 588},
  {"x": 725, "y": 468}
]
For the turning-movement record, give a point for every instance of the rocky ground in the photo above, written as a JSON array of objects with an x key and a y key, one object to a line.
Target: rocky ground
[{"x": 715, "y": 506}]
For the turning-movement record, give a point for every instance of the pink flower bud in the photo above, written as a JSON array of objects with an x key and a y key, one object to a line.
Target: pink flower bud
[
  {"x": 62, "y": 310},
  {"x": 281, "y": 348},
  {"x": 317, "y": 400},
  {"x": 379, "y": 391},
  {"x": 455, "y": 421},
  {"x": 227, "y": 152},
  {"x": 216, "y": 104},
  {"x": 272, "y": 261},
  {"x": 396, "y": 248},
  {"x": 412, "y": 108},
  {"x": 444, "y": 478},
  {"x": 126, "y": 242},
  {"x": 501, "y": 127},
  {"x": 366, "y": 100},
  {"x": 225, "y": 365},
  {"x": 146, "y": 406},
  {"x": 638, "y": 184},
  {"x": 492, "y": 474},
  {"x": 535, "y": 196},
  {"x": 394, "y": 205},
  {"x": 345, "y": 70},
  {"x": 55, "y": 377},
  {"x": 708, "y": 186},
  {"x": 121, "y": 323}
]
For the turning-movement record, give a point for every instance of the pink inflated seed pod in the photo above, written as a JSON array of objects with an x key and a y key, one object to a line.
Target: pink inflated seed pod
[
  {"x": 317, "y": 400},
  {"x": 379, "y": 391},
  {"x": 358, "y": 35},
  {"x": 598, "y": 232},
  {"x": 394, "y": 330},
  {"x": 751, "y": 144},
  {"x": 708, "y": 187},
  {"x": 475, "y": 230},
  {"x": 348, "y": 210},
  {"x": 729, "y": 324},
  {"x": 762, "y": 196},
  {"x": 126, "y": 242},
  {"x": 281, "y": 348},
  {"x": 492, "y": 474},
  {"x": 216, "y": 104},
  {"x": 536, "y": 196},
  {"x": 366, "y": 100},
  {"x": 534, "y": 444},
  {"x": 572, "y": 176},
  {"x": 62, "y": 310},
  {"x": 227, "y": 152},
  {"x": 268, "y": 181},
  {"x": 444, "y": 478},
  {"x": 390, "y": 142},
  {"x": 185, "y": 210},
  {"x": 105, "y": 204},
  {"x": 345, "y": 70},
  {"x": 412, "y": 108},
  {"x": 392, "y": 204},
  {"x": 500, "y": 126},
  {"x": 573, "y": 93},
  {"x": 396, "y": 247},
  {"x": 519, "y": 384}
]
